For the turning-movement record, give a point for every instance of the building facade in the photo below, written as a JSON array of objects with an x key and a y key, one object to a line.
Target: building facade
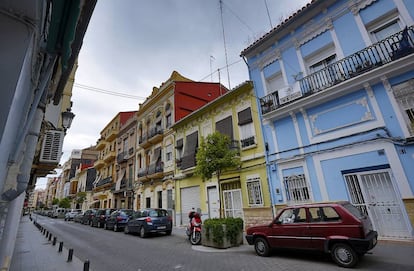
[
  {"x": 103, "y": 196},
  {"x": 335, "y": 88},
  {"x": 173, "y": 100},
  {"x": 240, "y": 192}
]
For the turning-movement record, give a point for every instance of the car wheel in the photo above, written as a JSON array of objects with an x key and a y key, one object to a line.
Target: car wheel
[
  {"x": 168, "y": 232},
  {"x": 344, "y": 255},
  {"x": 261, "y": 247},
  {"x": 126, "y": 229},
  {"x": 142, "y": 232}
]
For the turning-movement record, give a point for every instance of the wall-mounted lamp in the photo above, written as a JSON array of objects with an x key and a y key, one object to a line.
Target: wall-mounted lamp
[{"x": 67, "y": 118}]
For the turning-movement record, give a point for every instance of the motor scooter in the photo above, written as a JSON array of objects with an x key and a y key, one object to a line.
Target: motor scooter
[{"x": 194, "y": 228}]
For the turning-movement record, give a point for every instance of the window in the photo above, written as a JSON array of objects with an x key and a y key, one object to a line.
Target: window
[
  {"x": 322, "y": 64},
  {"x": 404, "y": 95},
  {"x": 254, "y": 192},
  {"x": 168, "y": 120},
  {"x": 247, "y": 134},
  {"x": 225, "y": 126},
  {"x": 296, "y": 188},
  {"x": 296, "y": 215},
  {"x": 168, "y": 153}
]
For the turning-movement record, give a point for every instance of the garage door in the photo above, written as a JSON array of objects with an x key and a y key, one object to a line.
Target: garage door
[{"x": 190, "y": 198}]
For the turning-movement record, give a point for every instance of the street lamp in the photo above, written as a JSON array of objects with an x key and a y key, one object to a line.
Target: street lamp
[{"x": 67, "y": 118}]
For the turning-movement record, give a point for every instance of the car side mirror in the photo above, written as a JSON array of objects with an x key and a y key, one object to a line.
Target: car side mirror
[{"x": 278, "y": 222}]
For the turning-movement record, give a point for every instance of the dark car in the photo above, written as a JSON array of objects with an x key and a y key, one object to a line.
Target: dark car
[
  {"x": 148, "y": 221},
  {"x": 337, "y": 228},
  {"x": 118, "y": 219},
  {"x": 99, "y": 219},
  {"x": 87, "y": 216}
]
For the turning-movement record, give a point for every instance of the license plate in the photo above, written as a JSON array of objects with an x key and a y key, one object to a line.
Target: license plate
[{"x": 161, "y": 227}]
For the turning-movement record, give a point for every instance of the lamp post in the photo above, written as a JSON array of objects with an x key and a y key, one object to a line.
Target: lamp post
[{"x": 67, "y": 118}]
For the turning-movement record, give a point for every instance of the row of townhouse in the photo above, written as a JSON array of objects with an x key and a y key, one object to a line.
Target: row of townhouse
[
  {"x": 147, "y": 157},
  {"x": 328, "y": 115},
  {"x": 335, "y": 84}
]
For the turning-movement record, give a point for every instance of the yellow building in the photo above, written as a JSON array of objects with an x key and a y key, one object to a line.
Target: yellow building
[
  {"x": 241, "y": 192},
  {"x": 106, "y": 173},
  {"x": 155, "y": 165}
]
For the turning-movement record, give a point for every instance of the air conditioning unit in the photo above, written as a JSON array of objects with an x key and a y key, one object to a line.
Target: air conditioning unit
[
  {"x": 52, "y": 147},
  {"x": 289, "y": 93}
]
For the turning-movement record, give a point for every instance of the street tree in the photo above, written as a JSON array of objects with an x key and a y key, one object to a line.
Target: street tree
[
  {"x": 215, "y": 155},
  {"x": 64, "y": 203}
]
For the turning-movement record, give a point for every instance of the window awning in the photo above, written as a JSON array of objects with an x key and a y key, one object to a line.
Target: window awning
[
  {"x": 245, "y": 116},
  {"x": 225, "y": 126},
  {"x": 119, "y": 180}
]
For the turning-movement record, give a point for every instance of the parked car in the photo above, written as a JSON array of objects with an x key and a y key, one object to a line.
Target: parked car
[
  {"x": 79, "y": 217},
  {"x": 72, "y": 213},
  {"x": 59, "y": 213},
  {"x": 337, "y": 228},
  {"x": 118, "y": 219},
  {"x": 148, "y": 221},
  {"x": 99, "y": 219},
  {"x": 87, "y": 216}
]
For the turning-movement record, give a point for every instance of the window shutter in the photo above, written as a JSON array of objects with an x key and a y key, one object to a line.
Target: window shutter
[
  {"x": 245, "y": 116},
  {"x": 52, "y": 147}
]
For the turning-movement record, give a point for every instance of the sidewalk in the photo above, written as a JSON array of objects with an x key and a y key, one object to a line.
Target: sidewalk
[{"x": 34, "y": 252}]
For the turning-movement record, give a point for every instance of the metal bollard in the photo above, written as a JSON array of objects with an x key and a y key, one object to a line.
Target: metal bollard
[
  {"x": 54, "y": 241},
  {"x": 47, "y": 234},
  {"x": 86, "y": 265},
  {"x": 60, "y": 246},
  {"x": 70, "y": 254},
  {"x": 50, "y": 236}
]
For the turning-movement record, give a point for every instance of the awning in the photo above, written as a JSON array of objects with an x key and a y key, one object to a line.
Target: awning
[
  {"x": 93, "y": 202},
  {"x": 119, "y": 180}
]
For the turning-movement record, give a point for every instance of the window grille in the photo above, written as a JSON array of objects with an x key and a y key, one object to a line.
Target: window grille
[{"x": 297, "y": 189}]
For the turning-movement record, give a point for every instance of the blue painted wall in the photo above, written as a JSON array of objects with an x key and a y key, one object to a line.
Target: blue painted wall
[
  {"x": 375, "y": 10},
  {"x": 350, "y": 41},
  {"x": 335, "y": 183},
  {"x": 410, "y": 7}
]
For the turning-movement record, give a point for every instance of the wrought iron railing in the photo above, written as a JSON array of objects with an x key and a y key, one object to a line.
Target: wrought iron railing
[{"x": 389, "y": 49}]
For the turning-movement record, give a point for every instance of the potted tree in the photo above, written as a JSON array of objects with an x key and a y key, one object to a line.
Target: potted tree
[{"x": 222, "y": 232}]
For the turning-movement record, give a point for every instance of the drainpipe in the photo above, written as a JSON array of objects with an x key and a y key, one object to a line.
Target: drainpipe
[{"x": 21, "y": 171}]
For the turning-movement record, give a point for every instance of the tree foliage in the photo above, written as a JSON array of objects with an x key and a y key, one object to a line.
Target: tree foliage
[
  {"x": 64, "y": 203},
  {"x": 80, "y": 197},
  {"x": 55, "y": 201},
  {"x": 214, "y": 155}
]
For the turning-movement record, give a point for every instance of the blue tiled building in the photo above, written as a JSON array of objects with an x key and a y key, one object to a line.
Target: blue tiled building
[{"x": 335, "y": 87}]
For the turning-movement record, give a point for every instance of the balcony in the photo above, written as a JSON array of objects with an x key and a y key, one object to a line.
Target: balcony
[
  {"x": 111, "y": 135},
  {"x": 144, "y": 142},
  {"x": 247, "y": 142},
  {"x": 109, "y": 156},
  {"x": 142, "y": 174},
  {"x": 99, "y": 164},
  {"x": 101, "y": 144},
  {"x": 155, "y": 135},
  {"x": 122, "y": 157},
  {"x": 156, "y": 170},
  {"x": 386, "y": 51}
]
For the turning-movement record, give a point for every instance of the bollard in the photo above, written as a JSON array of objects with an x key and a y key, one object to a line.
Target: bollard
[
  {"x": 70, "y": 254},
  {"x": 54, "y": 241},
  {"x": 60, "y": 246},
  {"x": 50, "y": 236},
  {"x": 86, "y": 265},
  {"x": 47, "y": 234}
]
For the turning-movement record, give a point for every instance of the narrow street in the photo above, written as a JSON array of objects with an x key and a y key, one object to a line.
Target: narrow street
[{"x": 108, "y": 250}]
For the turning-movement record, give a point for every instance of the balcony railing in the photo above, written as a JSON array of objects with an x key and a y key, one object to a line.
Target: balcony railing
[
  {"x": 390, "y": 49},
  {"x": 142, "y": 172},
  {"x": 155, "y": 168},
  {"x": 247, "y": 142},
  {"x": 121, "y": 157}
]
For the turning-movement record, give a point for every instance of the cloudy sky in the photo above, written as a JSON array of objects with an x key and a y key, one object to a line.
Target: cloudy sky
[{"x": 132, "y": 46}]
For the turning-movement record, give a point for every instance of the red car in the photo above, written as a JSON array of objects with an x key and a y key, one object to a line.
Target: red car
[{"x": 337, "y": 228}]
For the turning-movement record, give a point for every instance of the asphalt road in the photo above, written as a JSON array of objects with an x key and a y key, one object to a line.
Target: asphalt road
[{"x": 108, "y": 251}]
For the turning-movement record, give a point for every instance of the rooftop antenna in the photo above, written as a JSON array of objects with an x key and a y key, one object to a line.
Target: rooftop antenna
[
  {"x": 211, "y": 69},
  {"x": 268, "y": 15},
  {"x": 224, "y": 41}
]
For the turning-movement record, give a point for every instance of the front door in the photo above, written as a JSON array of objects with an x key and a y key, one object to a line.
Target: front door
[
  {"x": 373, "y": 193},
  {"x": 213, "y": 208}
]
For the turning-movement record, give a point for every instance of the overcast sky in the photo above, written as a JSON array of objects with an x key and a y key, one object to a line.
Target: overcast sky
[{"x": 132, "y": 46}]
